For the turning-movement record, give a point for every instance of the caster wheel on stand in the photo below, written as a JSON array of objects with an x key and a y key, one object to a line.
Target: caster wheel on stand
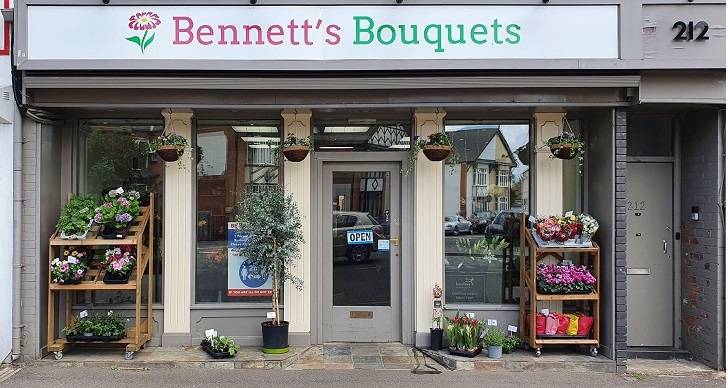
[
  {"x": 129, "y": 355},
  {"x": 58, "y": 355},
  {"x": 538, "y": 352},
  {"x": 593, "y": 352}
]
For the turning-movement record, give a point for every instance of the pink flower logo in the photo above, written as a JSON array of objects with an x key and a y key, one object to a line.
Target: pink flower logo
[{"x": 143, "y": 21}]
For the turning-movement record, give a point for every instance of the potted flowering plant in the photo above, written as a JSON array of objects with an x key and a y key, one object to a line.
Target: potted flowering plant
[
  {"x": 169, "y": 146},
  {"x": 564, "y": 279},
  {"x": 295, "y": 148},
  {"x": 589, "y": 226},
  {"x": 118, "y": 263},
  {"x": 75, "y": 219},
  {"x": 80, "y": 252},
  {"x": 464, "y": 335},
  {"x": 70, "y": 270},
  {"x": 436, "y": 147},
  {"x": 218, "y": 346},
  {"x": 565, "y": 145},
  {"x": 116, "y": 213}
]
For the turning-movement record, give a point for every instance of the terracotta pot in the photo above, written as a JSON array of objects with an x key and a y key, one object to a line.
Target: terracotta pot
[
  {"x": 295, "y": 153},
  {"x": 564, "y": 151},
  {"x": 170, "y": 153},
  {"x": 436, "y": 153}
]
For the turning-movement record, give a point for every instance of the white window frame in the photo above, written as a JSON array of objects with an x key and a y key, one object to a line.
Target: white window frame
[
  {"x": 502, "y": 202},
  {"x": 504, "y": 178}
]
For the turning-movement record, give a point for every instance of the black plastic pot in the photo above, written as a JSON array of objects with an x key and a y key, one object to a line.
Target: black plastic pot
[
  {"x": 436, "y": 339},
  {"x": 275, "y": 337}
]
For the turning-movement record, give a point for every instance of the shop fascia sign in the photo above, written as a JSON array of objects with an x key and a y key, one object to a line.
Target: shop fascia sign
[{"x": 323, "y": 33}]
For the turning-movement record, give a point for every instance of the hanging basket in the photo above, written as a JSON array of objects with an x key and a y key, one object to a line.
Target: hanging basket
[
  {"x": 564, "y": 151},
  {"x": 170, "y": 153},
  {"x": 436, "y": 153},
  {"x": 295, "y": 153}
]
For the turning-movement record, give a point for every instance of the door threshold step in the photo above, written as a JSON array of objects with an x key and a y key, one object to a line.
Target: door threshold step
[{"x": 657, "y": 353}]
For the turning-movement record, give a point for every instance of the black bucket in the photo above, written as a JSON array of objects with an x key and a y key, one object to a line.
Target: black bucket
[
  {"x": 436, "y": 339},
  {"x": 275, "y": 337}
]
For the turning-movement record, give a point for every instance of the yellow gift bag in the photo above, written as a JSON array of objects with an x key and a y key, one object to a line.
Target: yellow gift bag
[{"x": 573, "y": 324}]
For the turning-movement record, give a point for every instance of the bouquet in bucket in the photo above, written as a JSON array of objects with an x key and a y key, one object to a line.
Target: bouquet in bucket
[
  {"x": 564, "y": 279},
  {"x": 464, "y": 333}
]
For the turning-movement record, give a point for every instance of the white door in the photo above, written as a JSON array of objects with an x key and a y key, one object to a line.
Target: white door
[
  {"x": 362, "y": 255},
  {"x": 650, "y": 266}
]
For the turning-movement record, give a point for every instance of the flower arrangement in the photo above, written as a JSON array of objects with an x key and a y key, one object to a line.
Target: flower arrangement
[
  {"x": 437, "y": 311},
  {"x": 563, "y": 279},
  {"x": 69, "y": 270},
  {"x": 463, "y": 332},
  {"x": 295, "y": 148},
  {"x": 80, "y": 252},
  {"x": 119, "y": 208},
  {"x": 118, "y": 261},
  {"x": 76, "y": 216},
  {"x": 291, "y": 140},
  {"x": 168, "y": 139},
  {"x": 219, "y": 343},
  {"x": 589, "y": 226}
]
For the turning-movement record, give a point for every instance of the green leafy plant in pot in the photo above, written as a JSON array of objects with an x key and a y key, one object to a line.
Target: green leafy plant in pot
[
  {"x": 494, "y": 339},
  {"x": 75, "y": 219},
  {"x": 272, "y": 223}
]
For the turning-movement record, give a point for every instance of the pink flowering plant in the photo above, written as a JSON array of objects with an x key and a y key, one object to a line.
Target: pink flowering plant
[
  {"x": 70, "y": 269},
  {"x": 119, "y": 208},
  {"x": 564, "y": 279},
  {"x": 118, "y": 260}
]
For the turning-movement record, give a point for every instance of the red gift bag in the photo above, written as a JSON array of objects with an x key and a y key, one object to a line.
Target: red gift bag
[
  {"x": 585, "y": 324},
  {"x": 540, "y": 323},
  {"x": 563, "y": 323}
]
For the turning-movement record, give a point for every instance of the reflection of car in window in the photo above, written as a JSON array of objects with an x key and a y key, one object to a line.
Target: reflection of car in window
[
  {"x": 506, "y": 223},
  {"x": 346, "y": 221},
  {"x": 456, "y": 224}
]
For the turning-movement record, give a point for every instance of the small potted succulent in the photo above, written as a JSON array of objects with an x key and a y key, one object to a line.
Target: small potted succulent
[{"x": 296, "y": 149}]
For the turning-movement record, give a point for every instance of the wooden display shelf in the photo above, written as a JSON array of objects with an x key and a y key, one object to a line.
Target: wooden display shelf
[
  {"x": 136, "y": 336},
  {"x": 589, "y": 256}
]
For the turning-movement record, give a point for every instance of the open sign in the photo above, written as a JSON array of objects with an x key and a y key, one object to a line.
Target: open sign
[{"x": 354, "y": 237}]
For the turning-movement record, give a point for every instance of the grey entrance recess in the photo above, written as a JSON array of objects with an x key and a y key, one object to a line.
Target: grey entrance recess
[
  {"x": 361, "y": 252},
  {"x": 650, "y": 235}
]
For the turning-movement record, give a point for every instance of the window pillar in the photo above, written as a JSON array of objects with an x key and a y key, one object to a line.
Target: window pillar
[{"x": 549, "y": 175}]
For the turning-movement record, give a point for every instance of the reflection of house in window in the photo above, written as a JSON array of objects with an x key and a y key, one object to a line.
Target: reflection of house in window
[{"x": 483, "y": 176}]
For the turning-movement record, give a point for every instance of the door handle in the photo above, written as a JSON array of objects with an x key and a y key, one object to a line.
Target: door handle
[
  {"x": 395, "y": 240},
  {"x": 664, "y": 246}
]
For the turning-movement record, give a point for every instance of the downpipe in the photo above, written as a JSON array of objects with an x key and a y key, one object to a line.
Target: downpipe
[{"x": 17, "y": 233}]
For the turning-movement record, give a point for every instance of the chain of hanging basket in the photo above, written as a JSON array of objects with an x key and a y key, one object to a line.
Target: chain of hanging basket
[
  {"x": 433, "y": 152},
  {"x": 169, "y": 152}
]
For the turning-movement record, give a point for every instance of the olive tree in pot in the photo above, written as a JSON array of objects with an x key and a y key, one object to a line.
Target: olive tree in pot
[{"x": 272, "y": 222}]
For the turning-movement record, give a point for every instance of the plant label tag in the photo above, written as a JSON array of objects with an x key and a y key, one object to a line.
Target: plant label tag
[
  {"x": 569, "y": 213},
  {"x": 270, "y": 315},
  {"x": 512, "y": 328},
  {"x": 545, "y": 311},
  {"x": 567, "y": 262},
  {"x": 209, "y": 333},
  {"x": 434, "y": 324},
  {"x": 531, "y": 219},
  {"x": 482, "y": 333},
  {"x": 492, "y": 322},
  {"x": 83, "y": 314},
  {"x": 470, "y": 315}
]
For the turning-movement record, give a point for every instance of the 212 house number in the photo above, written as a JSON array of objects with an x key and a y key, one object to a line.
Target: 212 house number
[{"x": 687, "y": 31}]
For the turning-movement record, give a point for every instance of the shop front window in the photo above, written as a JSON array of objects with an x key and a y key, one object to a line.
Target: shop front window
[
  {"x": 114, "y": 153},
  {"x": 491, "y": 194},
  {"x": 234, "y": 157}
]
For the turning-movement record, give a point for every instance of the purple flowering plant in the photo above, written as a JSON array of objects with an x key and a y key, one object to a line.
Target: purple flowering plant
[
  {"x": 119, "y": 260},
  {"x": 564, "y": 279},
  {"x": 118, "y": 208}
]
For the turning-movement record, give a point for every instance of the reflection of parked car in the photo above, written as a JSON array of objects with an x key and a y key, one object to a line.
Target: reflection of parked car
[
  {"x": 481, "y": 219},
  {"x": 346, "y": 221},
  {"x": 506, "y": 223},
  {"x": 456, "y": 224}
]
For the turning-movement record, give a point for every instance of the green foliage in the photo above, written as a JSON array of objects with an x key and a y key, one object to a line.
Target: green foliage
[
  {"x": 110, "y": 159},
  {"x": 434, "y": 139},
  {"x": 292, "y": 140},
  {"x": 272, "y": 222},
  {"x": 494, "y": 336},
  {"x": 511, "y": 342},
  {"x": 463, "y": 332},
  {"x": 98, "y": 324},
  {"x": 222, "y": 344},
  {"x": 483, "y": 250},
  {"x": 77, "y": 214},
  {"x": 164, "y": 139},
  {"x": 118, "y": 208}
]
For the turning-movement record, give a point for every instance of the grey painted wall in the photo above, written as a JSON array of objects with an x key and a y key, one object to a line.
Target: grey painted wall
[
  {"x": 600, "y": 203},
  {"x": 703, "y": 241}
]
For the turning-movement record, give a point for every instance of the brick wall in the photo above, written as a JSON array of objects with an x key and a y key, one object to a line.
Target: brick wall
[
  {"x": 620, "y": 233},
  {"x": 703, "y": 241}
]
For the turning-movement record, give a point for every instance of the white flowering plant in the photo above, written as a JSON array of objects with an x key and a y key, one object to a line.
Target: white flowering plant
[
  {"x": 589, "y": 225},
  {"x": 68, "y": 270}
]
